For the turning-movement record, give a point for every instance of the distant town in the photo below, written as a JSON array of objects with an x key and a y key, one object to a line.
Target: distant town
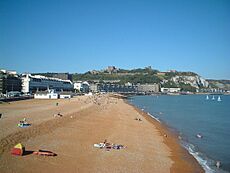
[{"x": 137, "y": 81}]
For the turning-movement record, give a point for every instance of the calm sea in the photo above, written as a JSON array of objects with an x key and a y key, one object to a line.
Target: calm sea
[{"x": 189, "y": 115}]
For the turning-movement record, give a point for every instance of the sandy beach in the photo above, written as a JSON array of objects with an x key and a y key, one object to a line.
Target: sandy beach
[{"x": 88, "y": 120}]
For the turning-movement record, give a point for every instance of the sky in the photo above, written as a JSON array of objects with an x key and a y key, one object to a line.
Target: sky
[{"x": 81, "y": 35}]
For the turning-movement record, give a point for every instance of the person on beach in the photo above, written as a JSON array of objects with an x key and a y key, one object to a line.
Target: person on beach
[
  {"x": 218, "y": 164},
  {"x": 105, "y": 141},
  {"x": 24, "y": 121}
]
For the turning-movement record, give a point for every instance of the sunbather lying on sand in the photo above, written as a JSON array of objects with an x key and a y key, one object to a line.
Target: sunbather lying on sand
[{"x": 44, "y": 153}]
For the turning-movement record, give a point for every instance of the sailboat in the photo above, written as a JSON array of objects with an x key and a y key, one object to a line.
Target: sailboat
[
  {"x": 213, "y": 98},
  {"x": 219, "y": 99},
  {"x": 207, "y": 98}
]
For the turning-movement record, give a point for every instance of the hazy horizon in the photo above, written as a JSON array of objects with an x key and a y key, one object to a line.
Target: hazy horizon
[{"x": 79, "y": 36}]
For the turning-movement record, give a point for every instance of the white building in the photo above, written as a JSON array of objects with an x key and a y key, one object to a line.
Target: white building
[
  {"x": 170, "y": 90},
  {"x": 37, "y": 82},
  {"x": 12, "y": 72},
  {"x": 65, "y": 95},
  {"x": 148, "y": 88},
  {"x": 81, "y": 86},
  {"x": 49, "y": 94},
  {"x": 77, "y": 86},
  {"x": 94, "y": 87}
]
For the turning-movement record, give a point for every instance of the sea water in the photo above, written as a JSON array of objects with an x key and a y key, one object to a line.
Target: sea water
[{"x": 189, "y": 115}]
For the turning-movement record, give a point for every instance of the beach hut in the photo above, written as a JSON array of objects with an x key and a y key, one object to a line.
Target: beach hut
[
  {"x": 65, "y": 95},
  {"x": 18, "y": 150}
]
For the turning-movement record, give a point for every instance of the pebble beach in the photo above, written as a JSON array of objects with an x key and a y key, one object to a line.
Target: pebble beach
[{"x": 85, "y": 121}]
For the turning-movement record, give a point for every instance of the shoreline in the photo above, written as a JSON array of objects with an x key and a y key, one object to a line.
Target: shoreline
[
  {"x": 195, "y": 139},
  {"x": 183, "y": 160},
  {"x": 87, "y": 124}
]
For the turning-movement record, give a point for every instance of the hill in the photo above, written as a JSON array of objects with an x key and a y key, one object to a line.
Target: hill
[
  {"x": 222, "y": 84},
  {"x": 188, "y": 81}
]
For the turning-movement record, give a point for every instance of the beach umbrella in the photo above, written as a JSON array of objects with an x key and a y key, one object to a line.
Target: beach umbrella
[{"x": 18, "y": 150}]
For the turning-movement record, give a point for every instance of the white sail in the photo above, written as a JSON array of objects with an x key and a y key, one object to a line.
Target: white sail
[
  {"x": 219, "y": 99},
  {"x": 207, "y": 98},
  {"x": 213, "y": 98}
]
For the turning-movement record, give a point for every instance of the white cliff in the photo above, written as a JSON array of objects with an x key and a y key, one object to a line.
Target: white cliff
[{"x": 194, "y": 80}]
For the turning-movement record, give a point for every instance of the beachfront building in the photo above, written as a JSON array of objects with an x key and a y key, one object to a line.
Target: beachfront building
[
  {"x": 48, "y": 94},
  {"x": 77, "y": 86},
  {"x": 65, "y": 95},
  {"x": 170, "y": 90},
  {"x": 31, "y": 83},
  {"x": 94, "y": 87},
  {"x": 80, "y": 86},
  {"x": 9, "y": 82},
  {"x": 148, "y": 88},
  {"x": 112, "y": 87}
]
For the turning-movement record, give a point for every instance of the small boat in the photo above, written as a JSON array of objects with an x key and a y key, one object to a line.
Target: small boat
[
  {"x": 219, "y": 99},
  {"x": 213, "y": 98},
  {"x": 218, "y": 164},
  {"x": 199, "y": 135},
  {"x": 207, "y": 98}
]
